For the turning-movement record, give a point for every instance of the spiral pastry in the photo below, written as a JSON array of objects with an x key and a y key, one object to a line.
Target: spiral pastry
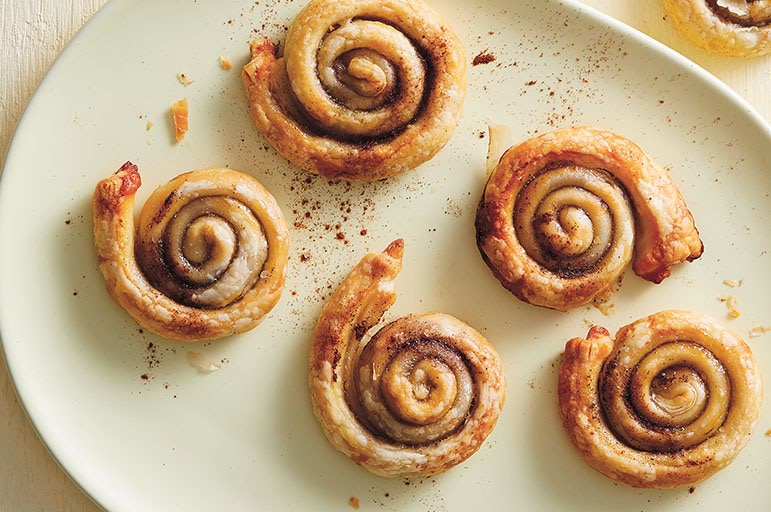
[
  {"x": 365, "y": 89},
  {"x": 210, "y": 257},
  {"x": 420, "y": 397},
  {"x": 563, "y": 212},
  {"x": 671, "y": 401},
  {"x": 729, "y": 27}
]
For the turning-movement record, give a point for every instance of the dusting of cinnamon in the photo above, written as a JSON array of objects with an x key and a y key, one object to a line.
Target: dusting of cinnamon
[{"x": 483, "y": 57}]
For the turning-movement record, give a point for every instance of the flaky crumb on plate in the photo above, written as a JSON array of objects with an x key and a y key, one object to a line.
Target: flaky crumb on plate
[
  {"x": 198, "y": 360},
  {"x": 180, "y": 114}
]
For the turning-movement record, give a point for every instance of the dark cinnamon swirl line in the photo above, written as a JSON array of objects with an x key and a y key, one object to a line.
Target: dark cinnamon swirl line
[{"x": 759, "y": 19}]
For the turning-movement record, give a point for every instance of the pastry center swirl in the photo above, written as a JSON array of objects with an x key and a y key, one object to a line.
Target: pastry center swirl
[
  {"x": 567, "y": 217},
  {"x": 425, "y": 393},
  {"x": 368, "y": 80},
  {"x": 676, "y": 397},
  {"x": 211, "y": 253},
  {"x": 749, "y": 13}
]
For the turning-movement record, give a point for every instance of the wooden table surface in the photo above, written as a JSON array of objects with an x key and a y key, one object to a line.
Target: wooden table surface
[{"x": 33, "y": 32}]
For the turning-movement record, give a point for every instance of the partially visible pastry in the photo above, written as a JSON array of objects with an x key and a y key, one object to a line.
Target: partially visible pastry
[
  {"x": 415, "y": 399},
  {"x": 207, "y": 260},
  {"x": 564, "y": 212},
  {"x": 729, "y": 27},
  {"x": 361, "y": 89},
  {"x": 669, "y": 401}
]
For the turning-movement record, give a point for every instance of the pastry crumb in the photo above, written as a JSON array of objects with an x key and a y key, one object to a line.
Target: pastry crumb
[
  {"x": 353, "y": 502},
  {"x": 729, "y": 282},
  {"x": 604, "y": 307},
  {"x": 184, "y": 79},
  {"x": 731, "y": 303},
  {"x": 768, "y": 433},
  {"x": 198, "y": 360},
  {"x": 180, "y": 116},
  {"x": 149, "y": 126},
  {"x": 759, "y": 330},
  {"x": 225, "y": 64}
]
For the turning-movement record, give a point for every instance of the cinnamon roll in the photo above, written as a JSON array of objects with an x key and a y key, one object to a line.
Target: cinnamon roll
[
  {"x": 208, "y": 258},
  {"x": 563, "y": 213},
  {"x": 729, "y": 27},
  {"x": 365, "y": 89},
  {"x": 416, "y": 399},
  {"x": 669, "y": 402}
]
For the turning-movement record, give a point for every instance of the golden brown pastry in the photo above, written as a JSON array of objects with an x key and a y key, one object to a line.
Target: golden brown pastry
[
  {"x": 563, "y": 212},
  {"x": 416, "y": 399},
  {"x": 669, "y": 402},
  {"x": 729, "y": 27},
  {"x": 363, "y": 90},
  {"x": 210, "y": 256}
]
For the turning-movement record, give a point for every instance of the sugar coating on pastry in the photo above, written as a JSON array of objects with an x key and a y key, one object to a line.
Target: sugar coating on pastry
[
  {"x": 728, "y": 27},
  {"x": 564, "y": 212},
  {"x": 417, "y": 397},
  {"x": 208, "y": 258},
  {"x": 667, "y": 402},
  {"x": 360, "y": 89}
]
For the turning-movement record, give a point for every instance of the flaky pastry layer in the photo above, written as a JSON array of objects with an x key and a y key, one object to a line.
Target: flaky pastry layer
[
  {"x": 207, "y": 260},
  {"x": 416, "y": 399}
]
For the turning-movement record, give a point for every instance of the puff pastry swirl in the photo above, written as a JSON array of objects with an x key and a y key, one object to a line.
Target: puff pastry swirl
[
  {"x": 729, "y": 27},
  {"x": 669, "y": 402},
  {"x": 207, "y": 260},
  {"x": 365, "y": 89},
  {"x": 419, "y": 397},
  {"x": 562, "y": 214}
]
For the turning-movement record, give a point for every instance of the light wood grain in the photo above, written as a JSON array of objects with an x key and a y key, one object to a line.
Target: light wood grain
[{"x": 33, "y": 32}]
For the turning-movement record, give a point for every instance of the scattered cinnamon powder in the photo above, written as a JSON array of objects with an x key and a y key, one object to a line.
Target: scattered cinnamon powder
[
  {"x": 483, "y": 57},
  {"x": 180, "y": 116}
]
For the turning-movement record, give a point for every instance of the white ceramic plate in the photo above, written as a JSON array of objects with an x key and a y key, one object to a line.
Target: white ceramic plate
[{"x": 244, "y": 438}]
